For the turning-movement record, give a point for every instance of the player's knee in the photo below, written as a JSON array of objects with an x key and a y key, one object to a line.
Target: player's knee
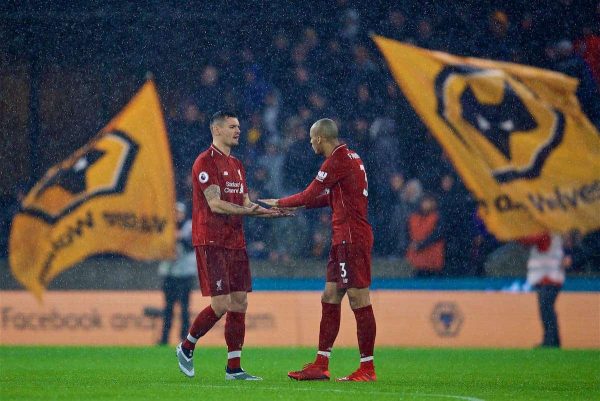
[
  {"x": 238, "y": 305},
  {"x": 332, "y": 297},
  {"x": 358, "y": 299},
  {"x": 220, "y": 310},
  {"x": 220, "y": 305}
]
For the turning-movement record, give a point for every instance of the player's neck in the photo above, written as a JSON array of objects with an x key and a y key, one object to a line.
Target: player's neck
[
  {"x": 226, "y": 150},
  {"x": 329, "y": 148}
]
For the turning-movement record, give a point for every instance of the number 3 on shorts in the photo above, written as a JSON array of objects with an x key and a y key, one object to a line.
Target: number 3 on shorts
[{"x": 343, "y": 269}]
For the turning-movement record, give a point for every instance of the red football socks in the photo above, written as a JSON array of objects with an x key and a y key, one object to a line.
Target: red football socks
[
  {"x": 329, "y": 329},
  {"x": 202, "y": 324},
  {"x": 365, "y": 330},
  {"x": 235, "y": 331}
]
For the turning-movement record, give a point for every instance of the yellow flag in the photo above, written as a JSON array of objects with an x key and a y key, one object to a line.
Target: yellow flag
[
  {"x": 114, "y": 195},
  {"x": 515, "y": 134}
]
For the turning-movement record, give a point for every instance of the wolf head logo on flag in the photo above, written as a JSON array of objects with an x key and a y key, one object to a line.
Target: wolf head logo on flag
[
  {"x": 99, "y": 169},
  {"x": 498, "y": 107},
  {"x": 515, "y": 134},
  {"x": 114, "y": 195}
]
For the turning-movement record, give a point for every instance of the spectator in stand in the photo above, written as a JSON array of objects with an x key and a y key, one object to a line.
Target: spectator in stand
[
  {"x": 299, "y": 55},
  {"x": 529, "y": 40},
  {"x": 298, "y": 89},
  {"x": 318, "y": 104},
  {"x": 271, "y": 114},
  {"x": 359, "y": 135},
  {"x": 337, "y": 74},
  {"x": 321, "y": 235},
  {"x": 208, "y": 97},
  {"x": 278, "y": 57},
  {"x": 363, "y": 103},
  {"x": 565, "y": 18},
  {"x": 312, "y": 46},
  {"x": 300, "y": 162},
  {"x": 363, "y": 69},
  {"x": 350, "y": 29},
  {"x": 546, "y": 273},
  {"x": 425, "y": 36},
  {"x": 179, "y": 276},
  {"x": 483, "y": 245},
  {"x": 255, "y": 89},
  {"x": 564, "y": 59},
  {"x": 427, "y": 243},
  {"x": 185, "y": 136},
  {"x": 574, "y": 252},
  {"x": 455, "y": 209},
  {"x": 383, "y": 135},
  {"x": 252, "y": 142},
  {"x": 498, "y": 44},
  {"x": 425, "y": 159},
  {"x": 272, "y": 160},
  {"x": 589, "y": 49},
  {"x": 395, "y": 26},
  {"x": 412, "y": 193},
  {"x": 228, "y": 67},
  {"x": 406, "y": 198},
  {"x": 383, "y": 157}
]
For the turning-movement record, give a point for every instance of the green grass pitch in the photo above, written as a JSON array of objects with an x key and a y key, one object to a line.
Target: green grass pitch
[{"x": 151, "y": 373}]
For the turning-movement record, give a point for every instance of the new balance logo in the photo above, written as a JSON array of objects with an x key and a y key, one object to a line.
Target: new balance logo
[{"x": 220, "y": 285}]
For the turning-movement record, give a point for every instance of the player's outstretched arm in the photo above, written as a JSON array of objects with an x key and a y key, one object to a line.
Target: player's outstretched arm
[
  {"x": 311, "y": 197},
  {"x": 267, "y": 213},
  {"x": 269, "y": 202},
  {"x": 220, "y": 206}
]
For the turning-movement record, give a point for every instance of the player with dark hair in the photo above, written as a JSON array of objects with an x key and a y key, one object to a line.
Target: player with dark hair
[
  {"x": 342, "y": 184},
  {"x": 220, "y": 199}
]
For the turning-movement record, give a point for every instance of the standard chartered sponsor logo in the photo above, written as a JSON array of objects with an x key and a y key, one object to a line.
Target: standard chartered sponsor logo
[{"x": 233, "y": 188}]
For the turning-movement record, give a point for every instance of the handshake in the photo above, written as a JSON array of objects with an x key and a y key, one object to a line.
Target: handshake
[{"x": 272, "y": 211}]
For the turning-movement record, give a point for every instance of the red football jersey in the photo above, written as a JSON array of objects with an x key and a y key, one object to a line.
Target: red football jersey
[
  {"x": 213, "y": 167},
  {"x": 344, "y": 180}
]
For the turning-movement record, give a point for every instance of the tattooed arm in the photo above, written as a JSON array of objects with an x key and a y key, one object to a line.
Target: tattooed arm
[{"x": 220, "y": 206}]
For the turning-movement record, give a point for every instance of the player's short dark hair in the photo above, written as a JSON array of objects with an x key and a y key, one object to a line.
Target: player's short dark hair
[
  {"x": 221, "y": 116},
  {"x": 326, "y": 128}
]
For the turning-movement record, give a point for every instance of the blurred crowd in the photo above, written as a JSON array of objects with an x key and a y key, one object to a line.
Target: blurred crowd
[
  {"x": 417, "y": 202},
  {"x": 330, "y": 68}
]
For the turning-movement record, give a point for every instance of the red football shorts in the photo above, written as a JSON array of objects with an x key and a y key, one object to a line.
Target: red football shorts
[
  {"x": 222, "y": 271},
  {"x": 350, "y": 265}
]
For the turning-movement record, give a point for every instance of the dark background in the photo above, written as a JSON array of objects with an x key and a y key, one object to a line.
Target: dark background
[{"x": 67, "y": 67}]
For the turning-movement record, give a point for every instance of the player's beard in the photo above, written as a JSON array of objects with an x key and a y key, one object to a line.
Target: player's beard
[{"x": 233, "y": 142}]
